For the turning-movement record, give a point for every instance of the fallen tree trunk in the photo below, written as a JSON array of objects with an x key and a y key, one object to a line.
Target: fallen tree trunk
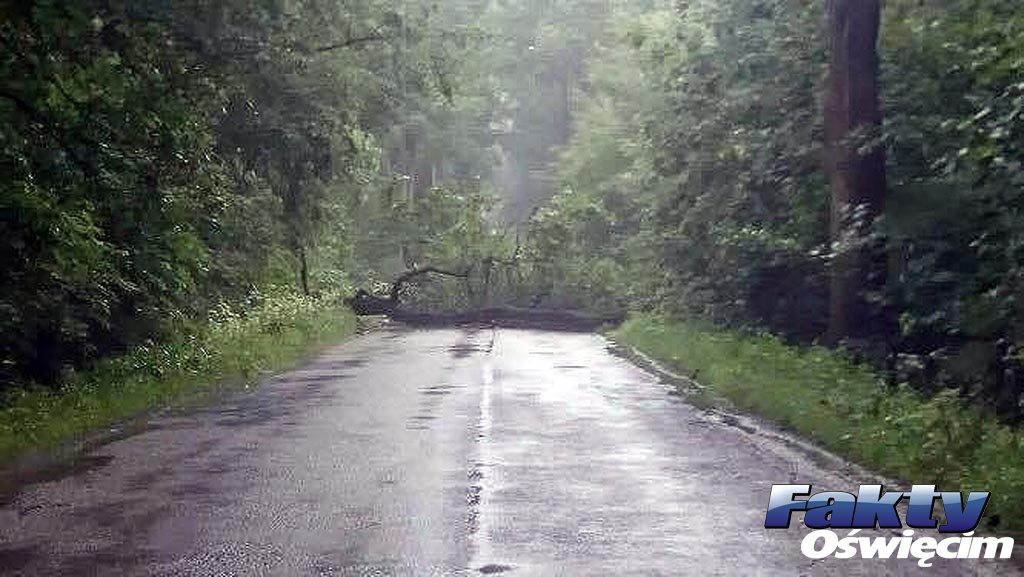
[
  {"x": 367, "y": 304},
  {"x": 512, "y": 317}
]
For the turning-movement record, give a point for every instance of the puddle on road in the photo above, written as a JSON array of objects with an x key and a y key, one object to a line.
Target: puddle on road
[
  {"x": 57, "y": 470},
  {"x": 439, "y": 390},
  {"x": 473, "y": 496},
  {"x": 351, "y": 363},
  {"x": 716, "y": 410},
  {"x": 472, "y": 341},
  {"x": 17, "y": 558},
  {"x": 474, "y": 492},
  {"x": 316, "y": 379},
  {"x": 679, "y": 386},
  {"x": 463, "y": 350}
]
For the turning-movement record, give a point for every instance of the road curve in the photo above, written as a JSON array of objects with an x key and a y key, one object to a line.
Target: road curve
[{"x": 433, "y": 452}]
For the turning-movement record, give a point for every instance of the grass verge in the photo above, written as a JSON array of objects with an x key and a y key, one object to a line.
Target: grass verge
[
  {"x": 231, "y": 348},
  {"x": 846, "y": 407}
]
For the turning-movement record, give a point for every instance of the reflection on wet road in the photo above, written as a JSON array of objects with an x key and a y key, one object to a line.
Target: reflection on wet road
[{"x": 433, "y": 452}]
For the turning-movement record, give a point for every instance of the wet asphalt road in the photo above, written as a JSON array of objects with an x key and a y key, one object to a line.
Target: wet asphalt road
[{"x": 434, "y": 452}]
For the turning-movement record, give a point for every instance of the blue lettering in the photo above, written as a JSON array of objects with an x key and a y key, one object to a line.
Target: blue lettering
[
  {"x": 961, "y": 519},
  {"x": 875, "y": 508},
  {"x": 830, "y": 509},
  {"x": 781, "y": 505}
]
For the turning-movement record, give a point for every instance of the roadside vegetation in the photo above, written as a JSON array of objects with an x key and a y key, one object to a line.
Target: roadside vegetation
[
  {"x": 233, "y": 348},
  {"x": 848, "y": 408},
  {"x": 843, "y": 174},
  {"x": 188, "y": 192},
  {"x": 714, "y": 180}
]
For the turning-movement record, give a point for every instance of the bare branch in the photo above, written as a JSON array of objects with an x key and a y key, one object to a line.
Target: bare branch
[{"x": 404, "y": 278}]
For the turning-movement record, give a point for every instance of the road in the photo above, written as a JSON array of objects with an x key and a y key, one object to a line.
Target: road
[{"x": 434, "y": 452}]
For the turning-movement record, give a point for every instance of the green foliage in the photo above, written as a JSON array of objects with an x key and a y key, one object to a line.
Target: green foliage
[
  {"x": 957, "y": 168},
  {"x": 235, "y": 345},
  {"x": 159, "y": 159},
  {"x": 846, "y": 407},
  {"x": 699, "y": 148},
  {"x": 696, "y": 171},
  {"x": 105, "y": 183}
]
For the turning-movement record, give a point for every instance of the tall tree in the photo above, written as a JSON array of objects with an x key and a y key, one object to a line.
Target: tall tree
[{"x": 855, "y": 163}]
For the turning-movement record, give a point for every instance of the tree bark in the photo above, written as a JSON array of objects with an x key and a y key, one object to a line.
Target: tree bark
[
  {"x": 303, "y": 270},
  {"x": 855, "y": 163}
]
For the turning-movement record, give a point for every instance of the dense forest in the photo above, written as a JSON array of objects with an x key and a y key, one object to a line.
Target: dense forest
[
  {"x": 844, "y": 173},
  {"x": 840, "y": 172}
]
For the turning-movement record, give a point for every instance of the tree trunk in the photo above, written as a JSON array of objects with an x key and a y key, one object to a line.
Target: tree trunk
[
  {"x": 855, "y": 163},
  {"x": 303, "y": 270}
]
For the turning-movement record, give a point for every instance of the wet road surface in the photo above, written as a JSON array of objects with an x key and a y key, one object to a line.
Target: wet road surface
[{"x": 434, "y": 452}]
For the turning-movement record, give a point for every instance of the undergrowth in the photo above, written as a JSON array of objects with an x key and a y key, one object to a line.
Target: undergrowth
[
  {"x": 231, "y": 348},
  {"x": 846, "y": 407}
]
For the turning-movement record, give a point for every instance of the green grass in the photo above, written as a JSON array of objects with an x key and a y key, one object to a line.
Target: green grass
[
  {"x": 231, "y": 349},
  {"x": 845, "y": 407}
]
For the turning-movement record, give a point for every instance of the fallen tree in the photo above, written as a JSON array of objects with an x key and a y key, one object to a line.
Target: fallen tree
[
  {"x": 365, "y": 303},
  {"x": 513, "y": 317}
]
